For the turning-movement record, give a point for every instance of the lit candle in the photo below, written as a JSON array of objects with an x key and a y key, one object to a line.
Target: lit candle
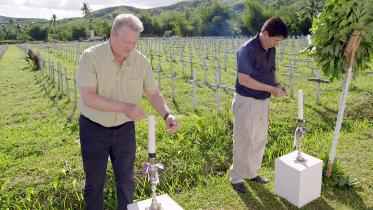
[
  {"x": 151, "y": 134},
  {"x": 300, "y": 105}
]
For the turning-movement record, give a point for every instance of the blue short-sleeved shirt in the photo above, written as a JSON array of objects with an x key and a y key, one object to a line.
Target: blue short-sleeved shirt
[{"x": 260, "y": 64}]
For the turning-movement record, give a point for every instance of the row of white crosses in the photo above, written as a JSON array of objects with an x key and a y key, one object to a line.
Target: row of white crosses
[
  {"x": 172, "y": 48},
  {"x": 52, "y": 70},
  {"x": 2, "y": 50}
]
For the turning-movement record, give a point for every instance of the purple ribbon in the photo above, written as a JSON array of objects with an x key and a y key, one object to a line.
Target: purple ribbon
[
  {"x": 146, "y": 169},
  {"x": 300, "y": 130}
]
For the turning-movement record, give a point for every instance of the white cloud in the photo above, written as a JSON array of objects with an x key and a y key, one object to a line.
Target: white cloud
[{"x": 68, "y": 8}]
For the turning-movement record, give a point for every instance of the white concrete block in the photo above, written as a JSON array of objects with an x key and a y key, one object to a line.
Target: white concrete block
[
  {"x": 166, "y": 203},
  {"x": 299, "y": 183}
]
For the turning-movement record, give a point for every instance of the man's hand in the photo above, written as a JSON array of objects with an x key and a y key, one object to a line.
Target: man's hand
[
  {"x": 134, "y": 112},
  {"x": 283, "y": 89},
  {"x": 172, "y": 124},
  {"x": 279, "y": 91}
]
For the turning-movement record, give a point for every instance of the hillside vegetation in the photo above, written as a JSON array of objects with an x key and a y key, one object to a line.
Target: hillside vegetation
[{"x": 187, "y": 18}]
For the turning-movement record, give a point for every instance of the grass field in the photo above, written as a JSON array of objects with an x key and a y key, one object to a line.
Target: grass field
[{"x": 40, "y": 163}]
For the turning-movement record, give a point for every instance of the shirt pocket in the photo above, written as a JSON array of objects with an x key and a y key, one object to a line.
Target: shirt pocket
[{"x": 131, "y": 90}]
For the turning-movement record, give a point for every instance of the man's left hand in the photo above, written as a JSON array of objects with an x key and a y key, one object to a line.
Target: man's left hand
[{"x": 172, "y": 124}]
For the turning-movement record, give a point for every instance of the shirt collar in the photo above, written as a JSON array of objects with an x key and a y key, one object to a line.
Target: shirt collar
[
  {"x": 109, "y": 52},
  {"x": 259, "y": 43}
]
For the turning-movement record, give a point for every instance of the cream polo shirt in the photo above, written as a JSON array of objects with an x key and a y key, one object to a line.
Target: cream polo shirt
[{"x": 126, "y": 82}]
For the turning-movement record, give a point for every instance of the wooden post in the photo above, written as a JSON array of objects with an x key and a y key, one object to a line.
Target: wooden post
[
  {"x": 181, "y": 54},
  {"x": 225, "y": 55},
  {"x": 191, "y": 60},
  {"x": 49, "y": 67},
  {"x": 75, "y": 92},
  {"x": 194, "y": 90},
  {"x": 52, "y": 72},
  {"x": 58, "y": 75},
  {"x": 172, "y": 80},
  {"x": 61, "y": 79},
  {"x": 350, "y": 51},
  {"x": 204, "y": 69},
  {"x": 318, "y": 88},
  {"x": 159, "y": 71},
  {"x": 217, "y": 92},
  {"x": 67, "y": 78},
  {"x": 291, "y": 76}
]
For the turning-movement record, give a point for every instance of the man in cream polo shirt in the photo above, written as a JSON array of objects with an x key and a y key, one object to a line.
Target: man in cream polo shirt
[{"x": 112, "y": 77}]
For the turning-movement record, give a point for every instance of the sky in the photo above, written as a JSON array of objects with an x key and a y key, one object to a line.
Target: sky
[{"x": 68, "y": 8}]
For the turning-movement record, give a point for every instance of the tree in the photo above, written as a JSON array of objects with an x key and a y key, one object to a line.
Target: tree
[
  {"x": 344, "y": 28},
  {"x": 147, "y": 23},
  {"x": 103, "y": 29},
  {"x": 77, "y": 32},
  {"x": 54, "y": 21},
  {"x": 11, "y": 22},
  {"x": 38, "y": 33},
  {"x": 253, "y": 17},
  {"x": 167, "y": 22},
  {"x": 310, "y": 8},
  {"x": 214, "y": 20},
  {"x": 87, "y": 15}
]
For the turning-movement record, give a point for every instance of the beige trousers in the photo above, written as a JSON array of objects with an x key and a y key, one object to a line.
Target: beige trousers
[{"x": 250, "y": 133}]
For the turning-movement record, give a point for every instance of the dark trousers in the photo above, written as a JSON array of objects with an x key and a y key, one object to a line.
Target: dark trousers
[{"x": 97, "y": 144}]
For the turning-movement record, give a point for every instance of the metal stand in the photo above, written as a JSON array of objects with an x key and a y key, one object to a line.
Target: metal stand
[
  {"x": 299, "y": 135},
  {"x": 154, "y": 180}
]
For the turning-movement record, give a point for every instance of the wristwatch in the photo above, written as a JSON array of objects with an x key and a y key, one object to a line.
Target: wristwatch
[{"x": 166, "y": 115}]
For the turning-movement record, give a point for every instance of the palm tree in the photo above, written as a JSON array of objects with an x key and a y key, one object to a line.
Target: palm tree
[
  {"x": 18, "y": 28},
  {"x": 11, "y": 23},
  {"x": 54, "y": 21},
  {"x": 4, "y": 28},
  {"x": 311, "y": 8},
  {"x": 87, "y": 15}
]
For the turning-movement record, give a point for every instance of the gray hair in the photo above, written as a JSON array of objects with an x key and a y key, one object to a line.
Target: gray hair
[{"x": 128, "y": 20}]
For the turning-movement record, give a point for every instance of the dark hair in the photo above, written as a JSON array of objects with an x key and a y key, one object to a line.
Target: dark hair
[{"x": 275, "y": 27}]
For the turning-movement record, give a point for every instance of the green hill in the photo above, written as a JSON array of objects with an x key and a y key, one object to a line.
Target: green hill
[
  {"x": 5, "y": 20},
  {"x": 186, "y": 18}
]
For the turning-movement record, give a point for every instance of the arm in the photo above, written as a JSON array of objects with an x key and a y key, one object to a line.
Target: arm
[
  {"x": 91, "y": 99},
  {"x": 249, "y": 82},
  {"x": 158, "y": 102}
]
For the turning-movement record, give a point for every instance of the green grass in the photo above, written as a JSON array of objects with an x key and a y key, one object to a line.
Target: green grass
[{"x": 41, "y": 166}]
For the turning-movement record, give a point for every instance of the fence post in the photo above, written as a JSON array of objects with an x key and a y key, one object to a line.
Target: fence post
[{"x": 67, "y": 85}]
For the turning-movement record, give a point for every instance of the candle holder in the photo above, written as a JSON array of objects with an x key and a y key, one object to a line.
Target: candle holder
[
  {"x": 299, "y": 132},
  {"x": 151, "y": 169}
]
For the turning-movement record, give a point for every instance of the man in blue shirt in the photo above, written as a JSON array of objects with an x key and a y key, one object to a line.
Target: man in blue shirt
[{"x": 255, "y": 83}]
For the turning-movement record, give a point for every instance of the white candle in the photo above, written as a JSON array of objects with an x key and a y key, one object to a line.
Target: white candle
[
  {"x": 151, "y": 134},
  {"x": 300, "y": 105}
]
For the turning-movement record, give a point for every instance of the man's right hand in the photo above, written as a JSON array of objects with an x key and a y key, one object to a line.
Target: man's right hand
[
  {"x": 134, "y": 112},
  {"x": 279, "y": 91}
]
